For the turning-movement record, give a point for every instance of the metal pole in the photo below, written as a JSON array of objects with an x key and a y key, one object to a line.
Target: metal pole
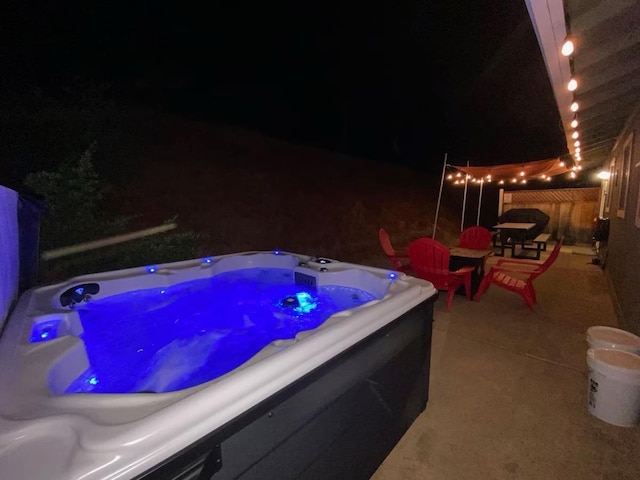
[
  {"x": 435, "y": 224},
  {"x": 125, "y": 237},
  {"x": 479, "y": 201},
  {"x": 464, "y": 200}
]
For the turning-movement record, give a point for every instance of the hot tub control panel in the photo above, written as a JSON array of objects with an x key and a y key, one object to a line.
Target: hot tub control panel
[{"x": 78, "y": 294}]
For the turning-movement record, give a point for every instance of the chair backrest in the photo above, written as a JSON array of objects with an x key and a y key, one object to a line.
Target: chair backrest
[
  {"x": 390, "y": 252},
  {"x": 552, "y": 256},
  {"x": 476, "y": 237},
  {"x": 548, "y": 262},
  {"x": 430, "y": 260},
  {"x": 385, "y": 243}
]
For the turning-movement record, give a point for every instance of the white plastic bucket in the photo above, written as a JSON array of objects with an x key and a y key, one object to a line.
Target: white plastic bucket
[
  {"x": 614, "y": 338},
  {"x": 614, "y": 386}
]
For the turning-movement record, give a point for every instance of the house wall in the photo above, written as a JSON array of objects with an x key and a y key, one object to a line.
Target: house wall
[
  {"x": 623, "y": 260},
  {"x": 571, "y": 210}
]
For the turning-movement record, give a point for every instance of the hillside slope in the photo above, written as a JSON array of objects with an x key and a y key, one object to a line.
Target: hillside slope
[{"x": 247, "y": 191}]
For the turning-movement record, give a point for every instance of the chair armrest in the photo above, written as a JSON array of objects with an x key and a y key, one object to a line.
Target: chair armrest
[
  {"x": 463, "y": 270},
  {"x": 513, "y": 270},
  {"x": 517, "y": 262}
]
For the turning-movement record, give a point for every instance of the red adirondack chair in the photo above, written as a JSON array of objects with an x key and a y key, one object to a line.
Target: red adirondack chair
[
  {"x": 476, "y": 237},
  {"x": 399, "y": 261},
  {"x": 430, "y": 260},
  {"x": 518, "y": 276}
]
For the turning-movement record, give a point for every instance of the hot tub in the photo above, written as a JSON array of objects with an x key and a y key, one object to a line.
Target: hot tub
[{"x": 252, "y": 365}]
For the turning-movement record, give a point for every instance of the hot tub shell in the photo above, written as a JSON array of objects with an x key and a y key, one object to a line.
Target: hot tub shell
[{"x": 331, "y": 403}]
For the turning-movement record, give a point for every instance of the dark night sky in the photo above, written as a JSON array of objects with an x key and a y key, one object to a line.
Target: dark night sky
[{"x": 402, "y": 81}]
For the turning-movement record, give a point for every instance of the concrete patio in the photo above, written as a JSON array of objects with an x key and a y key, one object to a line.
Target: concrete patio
[{"x": 508, "y": 392}]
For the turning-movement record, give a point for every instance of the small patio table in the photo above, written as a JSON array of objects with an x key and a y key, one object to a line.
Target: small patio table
[
  {"x": 468, "y": 257},
  {"x": 518, "y": 232}
]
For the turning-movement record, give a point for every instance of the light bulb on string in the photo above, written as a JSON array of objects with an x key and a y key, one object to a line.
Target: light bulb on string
[
  {"x": 567, "y": 47},
  {"x": 574, "y": 107}
]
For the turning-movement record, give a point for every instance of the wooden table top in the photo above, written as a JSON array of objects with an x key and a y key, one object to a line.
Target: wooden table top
[
  {"x": 514, "y": 226},
  {"x": 469, "y": 252}
]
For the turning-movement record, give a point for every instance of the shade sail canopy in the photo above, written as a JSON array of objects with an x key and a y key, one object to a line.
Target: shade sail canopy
[{"x": 540, "y": 169}]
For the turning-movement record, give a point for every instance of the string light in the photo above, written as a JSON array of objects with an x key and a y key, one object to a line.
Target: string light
[
  {"x": 567, "y": 47},
  {"x": 572, "y": 85},
  {"x": 576, "y": 143},
  {"x": 522, "y": 173},
  {"x": 573, "y": 174},
  {"x": 449, "y": 177},
  {"x": 574, "y": 107},
  {"x": 574, "y": 123},
  {"x": 501, "y": 182},
  {"x": 562, "y": 164},
  {"x": 575, "y": 135},
  {"x": 514, "y": 180},
  {"x": 524, "y": 181}
]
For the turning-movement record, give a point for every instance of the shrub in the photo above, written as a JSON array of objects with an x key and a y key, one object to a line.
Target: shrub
[{"x": 74, "y": 215}]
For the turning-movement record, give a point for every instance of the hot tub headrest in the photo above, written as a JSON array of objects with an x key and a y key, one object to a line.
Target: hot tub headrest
[{"x": 527, "y": 215}]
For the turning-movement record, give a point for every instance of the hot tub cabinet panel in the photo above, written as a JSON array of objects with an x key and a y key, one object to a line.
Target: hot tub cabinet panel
[
  {"x": 330, "y": 401},
  {"x": 340, "y": 421}
]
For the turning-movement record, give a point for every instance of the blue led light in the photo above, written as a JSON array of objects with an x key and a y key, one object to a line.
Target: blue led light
[
  {"x": 79, "y": 290},
  {"x": 393, "y": 275},
  {"x": 277, "y": 252},
  {"x": 306, "y": 302},
  {"x": 92, "y": 380},
  {"x": 207, "y": 259},
  {"x": 151, "y": 269},
  {"x": 44, "y": 331},
  {"x": 163, "y": 291}
]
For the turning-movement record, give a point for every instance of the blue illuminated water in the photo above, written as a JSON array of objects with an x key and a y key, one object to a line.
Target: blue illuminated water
[{"x": 161, "y": 340}]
